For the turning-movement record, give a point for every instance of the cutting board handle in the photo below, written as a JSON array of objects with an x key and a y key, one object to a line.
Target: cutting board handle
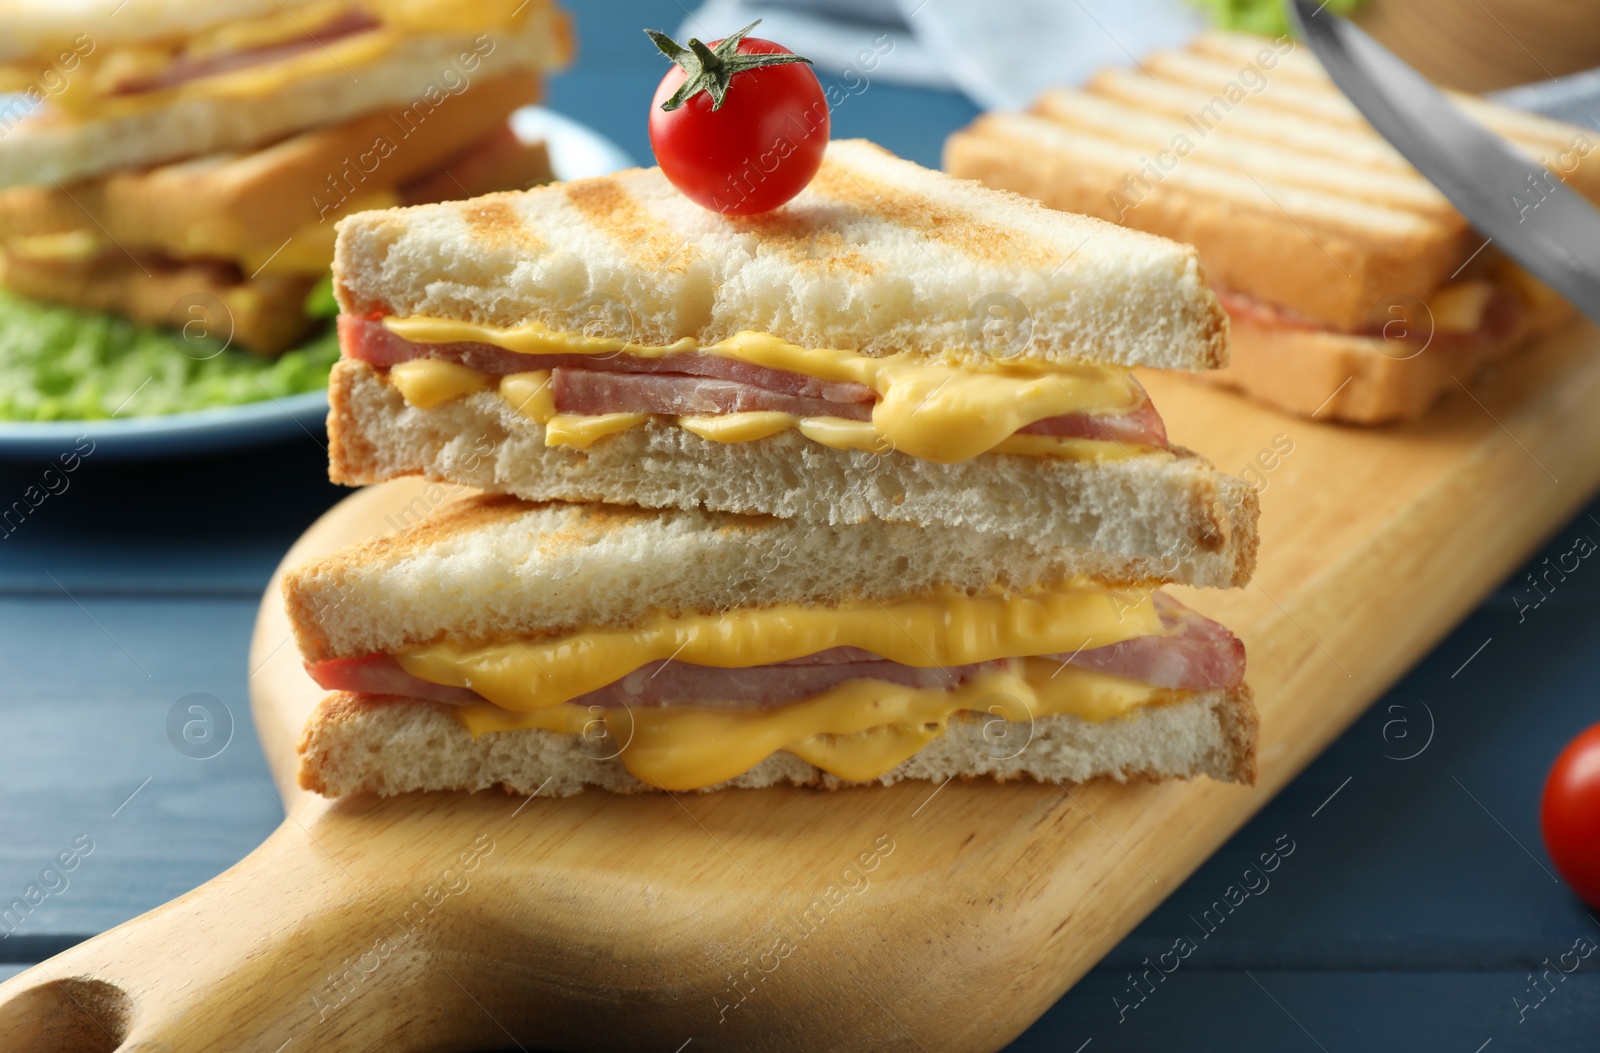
[{"x": 279, "y": 953}]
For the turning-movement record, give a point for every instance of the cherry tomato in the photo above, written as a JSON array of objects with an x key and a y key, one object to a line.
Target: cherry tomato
[
  {"x": 1570, "y": 815},
  {"x": 758, "y": 149}
]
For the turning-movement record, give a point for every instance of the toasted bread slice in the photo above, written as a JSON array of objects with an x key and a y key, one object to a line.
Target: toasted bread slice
[
  {"x": 265, "y": 314},
  {"x": 387, "y": 745},
  {"x": 243, "y": 109},
  {"x": 1540, "y": 137},
  {"x": 1349, "y": 254},
  {"x": 1242, "y": 147},
  {"x": 877, "y": 256},
  {"x": 1167, "y": 516},
  {"x": 491, "y": 567},
  {"x": 1365, "y": 379},
  {"x": 232, "y": 206}
]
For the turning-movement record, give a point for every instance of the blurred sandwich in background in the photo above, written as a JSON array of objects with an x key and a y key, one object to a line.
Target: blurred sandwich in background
[
  {"x": 1356, "y": 291},
  {"x": 164, "y": 158}
]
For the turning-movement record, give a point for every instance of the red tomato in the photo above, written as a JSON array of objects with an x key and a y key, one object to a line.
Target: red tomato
[
  {"x": 758, "y": 150},
  {"x": 1570, "y": 815}
]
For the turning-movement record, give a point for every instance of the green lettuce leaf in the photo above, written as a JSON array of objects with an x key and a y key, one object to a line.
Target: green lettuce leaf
[
  {"x": 57, "y": 363},
  {"x": 1266, "y": 17}
]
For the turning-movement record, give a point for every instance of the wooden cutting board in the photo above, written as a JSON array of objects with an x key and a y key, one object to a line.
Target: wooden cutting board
[{"x": 910, "y": 918}]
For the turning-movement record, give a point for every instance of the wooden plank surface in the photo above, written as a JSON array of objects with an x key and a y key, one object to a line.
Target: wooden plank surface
[
  {"x": 1402, "y": 876},
  {"x": 610, "y": 923}
]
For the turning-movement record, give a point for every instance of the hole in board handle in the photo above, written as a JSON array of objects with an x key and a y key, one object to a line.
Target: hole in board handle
[{"x": 73, "y": 1015}]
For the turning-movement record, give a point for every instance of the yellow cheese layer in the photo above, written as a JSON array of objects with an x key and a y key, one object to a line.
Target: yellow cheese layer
[
  {"x": 88, "y": 96},
  {"x": 940, "y": 630},
  {"x": 858, "y": 730},
  {"x": 309, "y": 250},
  {"x": 932, "y": 410},
  {"x": 426, "y": 383}
]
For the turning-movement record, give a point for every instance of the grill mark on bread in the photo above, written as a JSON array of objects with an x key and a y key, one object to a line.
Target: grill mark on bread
[
  {"x": 494, "y": 222},
  {"x": 1120, "y": 125},
  {"x": 806, "y": 245},
  {"x": 961, "y": 230},
  {"x": 618, "y": 215},
  {"x": 1359, "y": 208},
  {"x": 1192, "y": 79}
]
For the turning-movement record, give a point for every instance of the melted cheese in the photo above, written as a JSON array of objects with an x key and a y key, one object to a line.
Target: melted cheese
[
  {"x": 72, "y": 245},
  {"x": 425, "y": 383},
  {"x": 935, "y": 631},
  {"x": 740, "y": 427},
  {"x": 929, "y": 409},
  {"x": 309, "y": 250},
  {"x": 858, "y": 730},
  {"x": 1458, "y": 307},
  {"x": 401, "y": 21}
]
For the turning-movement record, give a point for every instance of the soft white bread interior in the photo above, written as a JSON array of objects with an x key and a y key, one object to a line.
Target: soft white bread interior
[
  {"x": 1165, "y": 516},
  {"x": 492, "y": 568},
  {"x": 877, "y": 255},
  {"x": 49, "y": 147},
  {"x": 386, "y": 745}
]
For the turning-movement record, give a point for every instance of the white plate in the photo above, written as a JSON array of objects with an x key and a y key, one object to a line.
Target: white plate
[{"x": 576, "y": 151}]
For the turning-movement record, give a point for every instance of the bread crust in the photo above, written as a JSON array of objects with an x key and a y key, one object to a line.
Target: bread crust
[
  {"x": 228, "y": 206},
  {"x": 877, "y": 256},
  {"x": 1345, "y": 265},
  {"x": 388, "y": 745},
  {"x": 1362, "y": 379}
]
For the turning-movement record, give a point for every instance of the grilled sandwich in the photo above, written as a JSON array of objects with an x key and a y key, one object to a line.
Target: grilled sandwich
[
  {"x": 183, "y": 179},
  {"x": 1356, "y": 291},
  {"x": 254, "y": 231},
  {"x": 548, "y": 648},
  {"x": 856, "y": 491},
  {"x": 893, "y": 345},
  {"x": 105, "y": 86}
]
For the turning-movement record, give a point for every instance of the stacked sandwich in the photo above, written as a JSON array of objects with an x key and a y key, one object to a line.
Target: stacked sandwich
[
  {"x": 160, "y": 160},
  {"x": 1356, "y": 291},
  {"x": 859, "y": 490}
]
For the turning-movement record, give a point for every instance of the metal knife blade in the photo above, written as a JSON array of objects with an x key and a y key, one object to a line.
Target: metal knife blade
[{"x": 1527, "y": 212}]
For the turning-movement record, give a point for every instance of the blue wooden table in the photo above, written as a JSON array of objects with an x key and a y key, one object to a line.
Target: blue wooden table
[{"x": 1416, "y": 911}]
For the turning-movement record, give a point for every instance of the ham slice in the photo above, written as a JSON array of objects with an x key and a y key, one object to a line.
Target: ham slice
[
  {"x": 1141, "y": 425},
  {"x": 185, "y": 68},
  {"x": 692, "y": 384},
  {"x": 593, "y": 391},
  {"x": 1200, "y": 655},
  {"x": 1501, "y": 315},
  {"x": 1197, "y": 655},
  {"x": 367, "y": 340}
]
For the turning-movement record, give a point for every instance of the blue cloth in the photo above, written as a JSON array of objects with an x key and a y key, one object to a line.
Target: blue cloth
[{"x": 999, "y": 53}]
